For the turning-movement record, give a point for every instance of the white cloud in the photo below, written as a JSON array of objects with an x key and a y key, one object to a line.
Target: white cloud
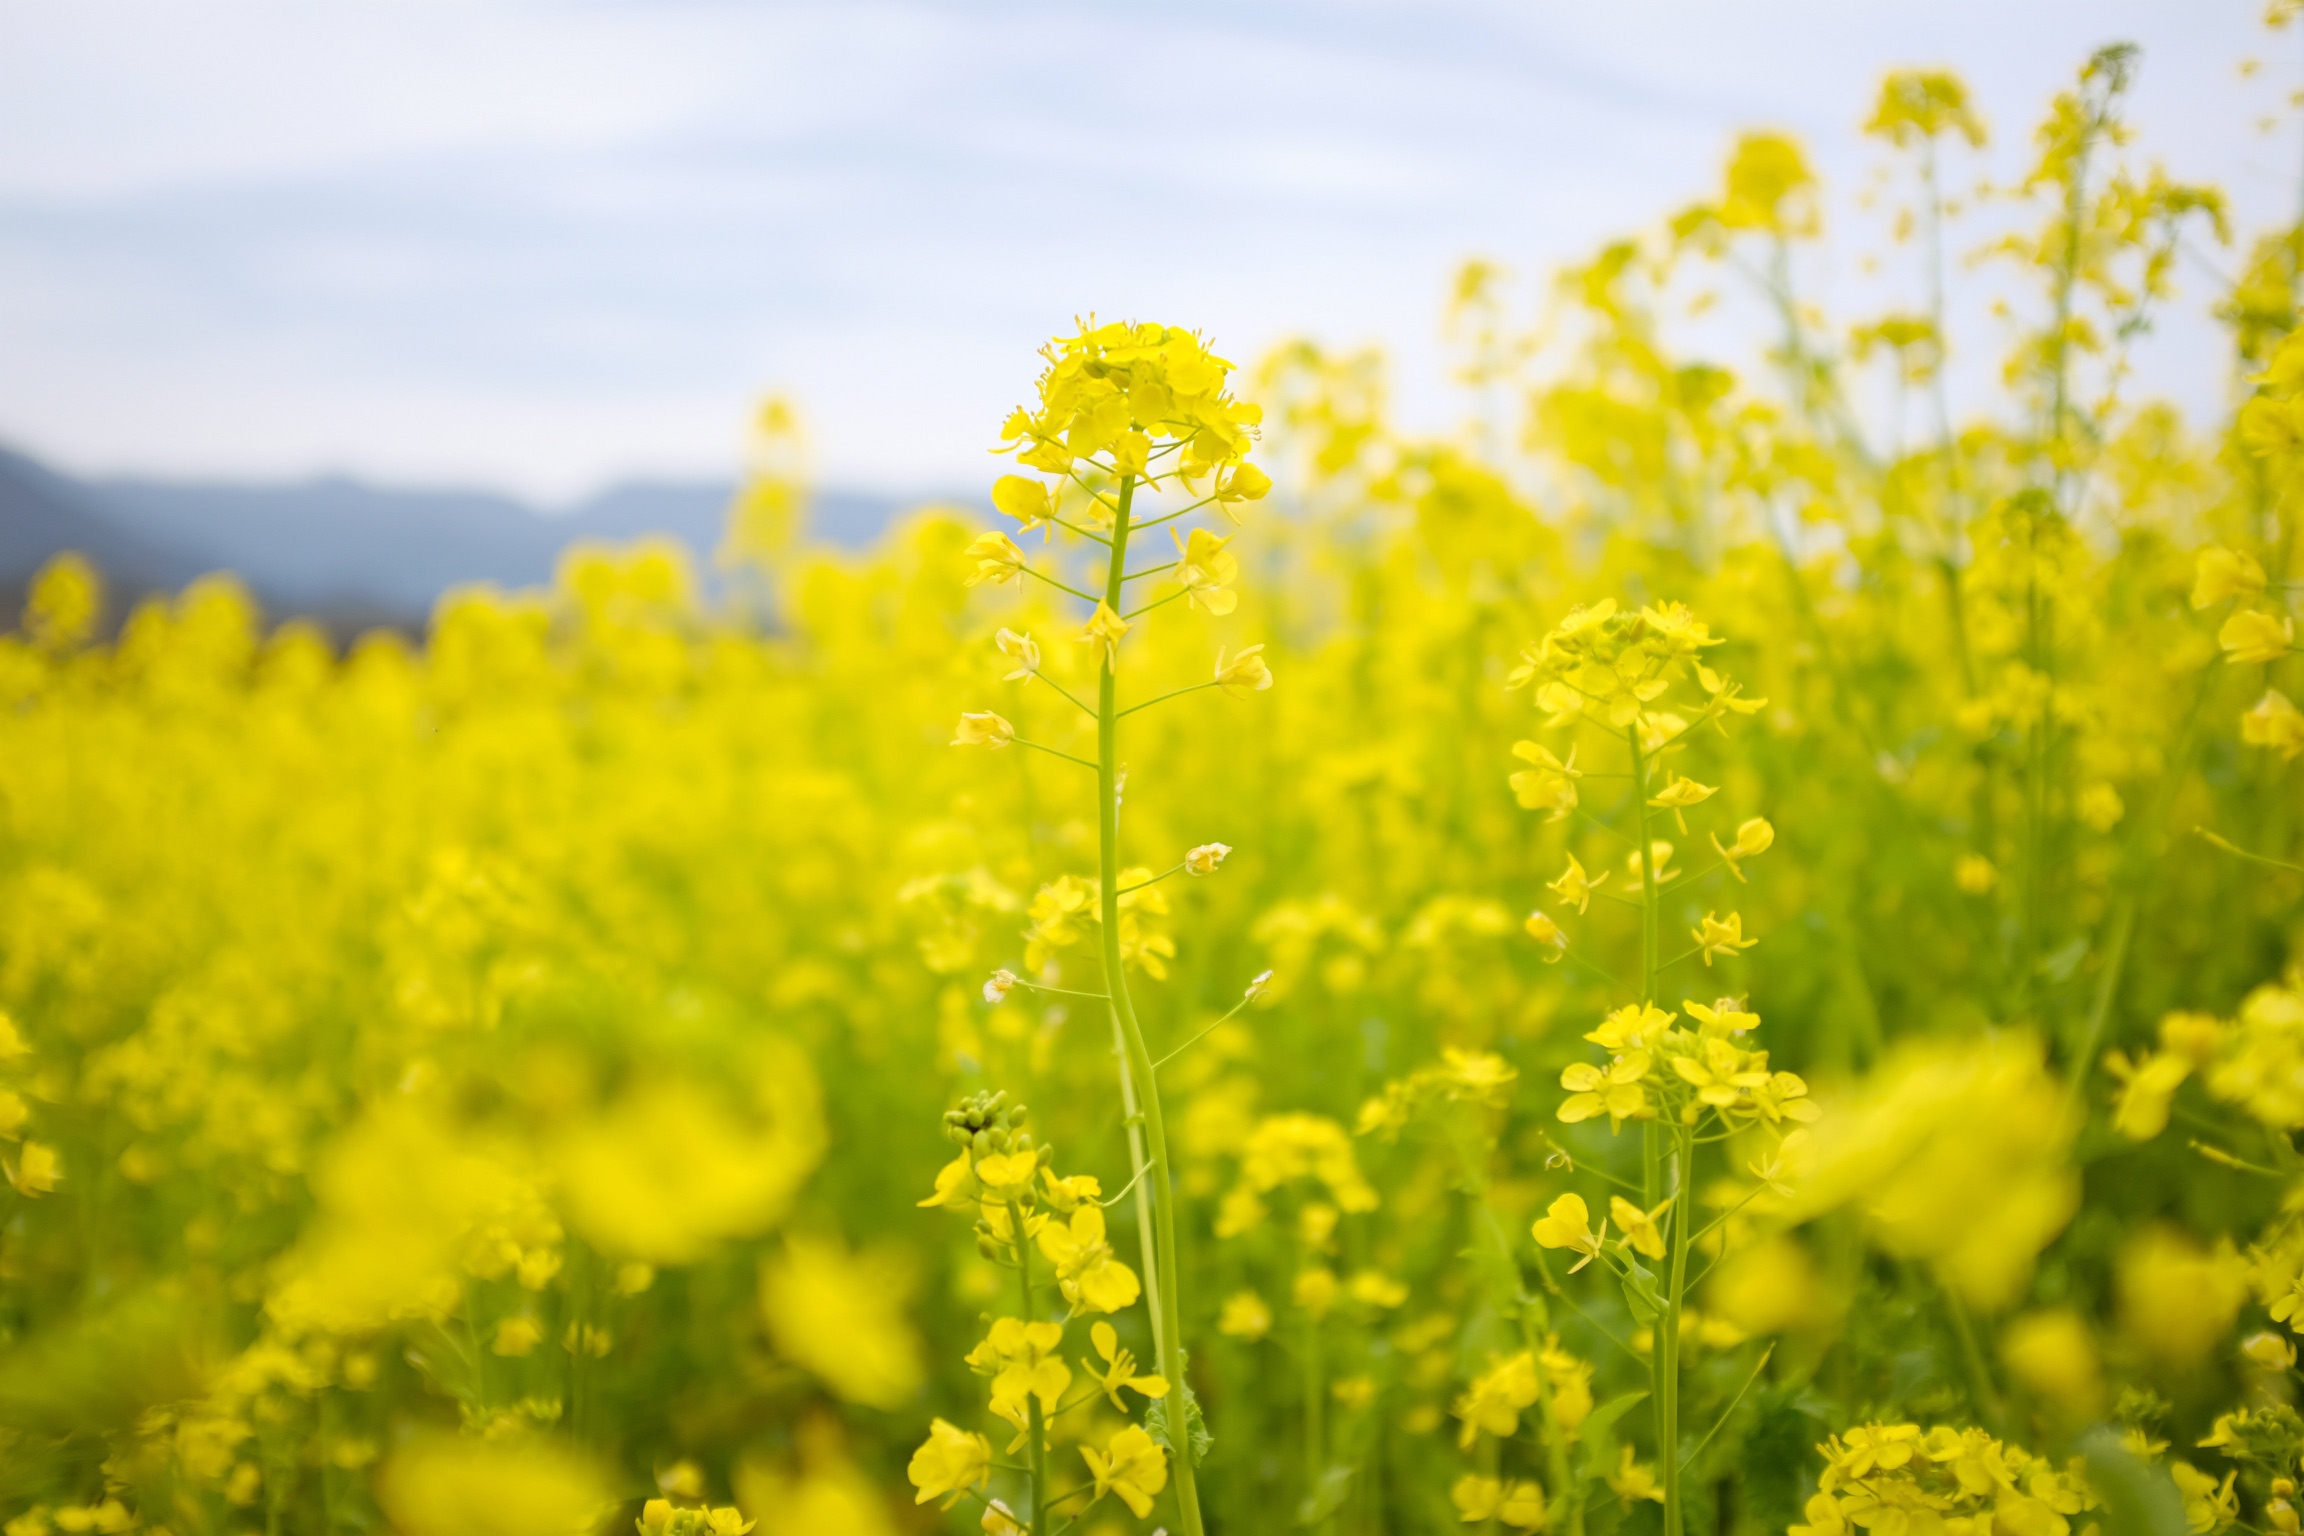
[{"x": 543, "y": 244}]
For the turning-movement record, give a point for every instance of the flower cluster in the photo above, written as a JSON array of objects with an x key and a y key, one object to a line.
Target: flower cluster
[
  {"x": 1958, "y": 1481},
  {"x": 1022, "y": 1208},
  {"x": 1124, "y": 395},
  {"x": 1658, "y": 1066}
]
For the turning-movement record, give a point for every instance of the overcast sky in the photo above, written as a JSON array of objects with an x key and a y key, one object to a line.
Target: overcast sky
[{"x": 543, "y": 246}]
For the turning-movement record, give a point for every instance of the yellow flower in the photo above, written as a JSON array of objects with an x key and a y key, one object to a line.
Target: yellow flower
[
  {"x": 1244, "y": 1316},
  {"x": 1638, "y": 1228},
  {"x": 1548, "y": 934},
  {"x": 1517, "y": 1503},
  {"x": 1007, "y": 1175},
  {"x": 1207, "y": 570},
  {"x": 1721, "y": 938},
  {"x": 1086, "y": 1270},
  {"x": 1021, "y": 650},
  {"x": 1315, "y": 1291},
  {"x": 1633, "y": 1027},
  {"x": 2224, "y": 573},
  {"x": 2254, "y": 636},
  {"x": 1633, "y": 1480},
  {"x": 1205, "y": 859},
  {"x": 1119, "y": 1368},
  {"x": 983, "y": 728},
  {"x": 1374, "y": 1288},
  {"x": 1721, "y": 1074},
  {"x": 1975, "y": 874},
  {"x": 996, "y": 559},
  {"x": 1727, "y": 1016},
  {"x": 1021, "y": 1359},
  {"x": 2275, "y": 724},
  {"x": 1548, "y": 785},
  {"x": 1102, "y": 633},
  {"x": 955, "y": 1183},
  {"x": 1753, "y": 838},
  {"x": 1243, "y": 482},
  {"x": 1067, "y": 1193},
  {"x": 1244, "y": 674},
  {"x": 2054, "y": 1355},
  {"x": 2209, "y": 1506},
  {"x": 1130, "y": 1465},
  {"x": 1619, "y": 1091},
  {"x": 1494, "y": 1399},
  {"x": 949, "y": 1462},
  {"x": 1574, "y": 887},
  {"x": 1659, "y": 858},
  {"x": 1023, "y": 499},
  {"x": 1680, "y": 794},
  {"x": 1566, "y": 1223},
  {"x": 35, "y": 1170},
  {"x": 517, "y": 1336},
  {"x": 659, "y": 1517}
]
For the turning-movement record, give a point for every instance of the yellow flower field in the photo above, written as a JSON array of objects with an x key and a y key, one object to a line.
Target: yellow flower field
[{"x": 1691, "y": 959}]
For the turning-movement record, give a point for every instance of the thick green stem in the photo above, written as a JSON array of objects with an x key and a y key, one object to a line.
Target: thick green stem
[
  {"x": 1035, "y": 1428},
  {"x": 1668, "y": 1329},
  {"x": 1161, "y": 1258},
  {"x": 1648, "y": 901},
  {"x": 1669, "y": 1178}
]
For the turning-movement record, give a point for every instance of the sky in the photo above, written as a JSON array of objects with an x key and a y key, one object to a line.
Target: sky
[{"x": 546, "y": 246}]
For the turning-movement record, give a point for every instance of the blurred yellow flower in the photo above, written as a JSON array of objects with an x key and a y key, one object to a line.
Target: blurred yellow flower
[{"x": 1131, "y": 1466}]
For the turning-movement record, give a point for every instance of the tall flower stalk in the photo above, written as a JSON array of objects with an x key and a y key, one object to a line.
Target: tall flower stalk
[
  {"x": 1689, "y": 1084},
  {"x": 1125, "y": 411}
]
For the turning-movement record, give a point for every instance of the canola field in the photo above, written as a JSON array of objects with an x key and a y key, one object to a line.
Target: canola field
[{"x": 1716, "y": 953}]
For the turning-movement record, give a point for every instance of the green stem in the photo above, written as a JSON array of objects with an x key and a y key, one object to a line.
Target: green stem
[
  {"x": 1648, "y": 893},
  {"x": 1665, "y": 1364},
  {"x": 1668, "y": 1340},
  {"x": 1035, "y": 1425},
  {"x": 1161, "y": 1257}
]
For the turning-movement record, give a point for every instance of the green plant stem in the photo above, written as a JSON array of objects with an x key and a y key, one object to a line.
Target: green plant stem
[
  {"x": 1668, "y": 1331},
  {"x": 1035, "y": 1425},
  {"x": 1664, "y": 1365},
  {"x": 1649, "y": 903},
  {"x": 1161, "y": 1257}
]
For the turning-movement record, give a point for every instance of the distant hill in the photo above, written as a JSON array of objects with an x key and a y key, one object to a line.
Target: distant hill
[{"x": 343, "y": 551}]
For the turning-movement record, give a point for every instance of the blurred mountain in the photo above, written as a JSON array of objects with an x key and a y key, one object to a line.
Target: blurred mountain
[{"x": 346, "y": 552}]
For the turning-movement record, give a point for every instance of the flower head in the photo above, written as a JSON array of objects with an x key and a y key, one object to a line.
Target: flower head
[
  {"x": 948, "y": 1463},
  {"x": 2251, "y": 636},
  {"x": 1206, "y": 859},
  {"x": 2275, "y": 724},
  {"x": 1023, "y": 499},
  {"x": 2224, "y": 573},
  {"x": 1207, "y": 570},
  {"x": 1548, "y": 935},
  {"x": 1753, "y": 838},
  {"x": 1102, "y": 632},
  {"x": 1575, "y": 887},
  {"x": 994, "y": 558},
  {"x": 1131, "y": 1465},
  {"x": 1021, "y": 650},
  {"x": 983, "y": 728},
  {"x": 1548, "y": 784},
  {"x": 1119, "y": 1368},
  {"x": 1567, "y": 1223},
  {"x": 1718, "y": 937},
  {"x": 1244, "y": 674}
]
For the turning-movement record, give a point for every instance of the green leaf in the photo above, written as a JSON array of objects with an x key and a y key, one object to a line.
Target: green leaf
[
  {"x": 1326, "y": 1497},
  {"x": 2139, "y": 1499},
  {"x": 1156, "y": 1424},
  {"x": 1599, "y": 1432},
  {"x": 1640, "y": 1292}
]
